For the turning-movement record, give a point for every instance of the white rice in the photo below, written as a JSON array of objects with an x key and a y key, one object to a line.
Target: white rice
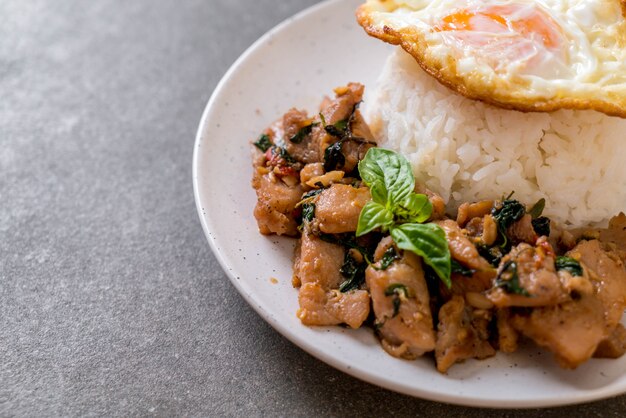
[{"x": 466, "y": 150}]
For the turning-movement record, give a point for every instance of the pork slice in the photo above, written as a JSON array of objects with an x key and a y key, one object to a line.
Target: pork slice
[
  {"x": 608, "y": 277},
  {"x": 295, "y": 123},
  {"x": 461, "y": 248},
  {"x": 571, "y": 330},
  {"x": 355, "y": 150},
  {"x": 337, "y": 208},
  {"x": 461, "y": 335},
  {"x": 478, "y": 282},
  {"x": 322, "y": 307},
  {"x": 319, "y": 262},
  {"x": 340, "y": 109},
  {"x": 535, "y": 272},
  {"x": 404, "y": 320},
  {"x": 276, "y": 203},
  {"x": 615, "y": 235}
]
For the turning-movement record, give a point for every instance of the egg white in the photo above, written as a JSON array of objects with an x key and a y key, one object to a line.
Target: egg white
[{"x": 584, "y": 68}]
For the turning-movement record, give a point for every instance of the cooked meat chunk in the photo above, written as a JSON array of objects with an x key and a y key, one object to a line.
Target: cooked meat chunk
[
  {"x": 276, "y": 203},
  {"x": 298, "y": 126},
  {"x": 319, "y": 262},
  {"x": 522, "y": 231},
  {"x": 615, "y": 235},
  {"x": 563, "y": 289},
  {"x": 461, "y": 334},
  {"x": 337, "y": 208},
  {"x": 401, "y": 304},
  {"x": 571, "y": 330},
  {"x": 614, "y": 346},
  {"x": 322, "y": 307},
  {"x": 354, "y": 151},
  {"x": 527, "y": 277},
  {"x": 317, "y": 268},
  {"x": 461, "y": 248},
  {"x": 342, "y": 106},
  {"x": 382, "y": 247},
  {"x": 608, "y": 277},
  {"x": 472, "y": 286},
  {"x": 344, "y": 109}
]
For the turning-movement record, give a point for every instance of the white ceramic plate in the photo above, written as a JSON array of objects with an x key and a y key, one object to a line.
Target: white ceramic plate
[{"x": 294, "y": 65}]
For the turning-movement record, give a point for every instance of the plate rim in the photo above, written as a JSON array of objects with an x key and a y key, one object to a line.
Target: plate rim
[{"x": 301, "y": 343}]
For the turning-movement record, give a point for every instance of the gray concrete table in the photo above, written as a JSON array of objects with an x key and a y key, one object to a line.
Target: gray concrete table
[{"x": 111, "y": 302}]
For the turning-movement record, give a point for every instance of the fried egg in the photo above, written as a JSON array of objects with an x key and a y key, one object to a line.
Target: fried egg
[{"x": 529, "y": 55}]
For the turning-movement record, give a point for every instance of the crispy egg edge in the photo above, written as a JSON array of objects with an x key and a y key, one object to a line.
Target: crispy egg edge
[{"x": 498, "y": 95}]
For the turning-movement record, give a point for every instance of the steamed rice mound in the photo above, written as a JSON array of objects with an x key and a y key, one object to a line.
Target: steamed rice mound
[{"x": 467, "y": 150}]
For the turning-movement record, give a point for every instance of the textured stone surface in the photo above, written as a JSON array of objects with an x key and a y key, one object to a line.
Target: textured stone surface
[{"x": 111, "y": 302}]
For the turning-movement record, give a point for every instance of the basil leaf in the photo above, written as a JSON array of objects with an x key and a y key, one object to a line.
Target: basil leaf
[
  {"x": 303, "y": 133},
  {"x": 388, "y": 258},
  {"x": 390, "y": 169},
  {"x": 569, "y": 264},
  {"x": 263, "y": 143},
  {"x": 338, "y": 130},
  {"x": 415, "y": 208},
  {"x": 308, "y": 212},
  {"x": 333, "y": 157},
  {"x": 508, "y": 213},
  {"x": 462, "y": 270},
  {"x": 353, "y": 271},
  {"x": 508, "y": 280},
  {"x": 379, "y": 193},
  {"x": 537, "y": 208},
  {"x": 372, "y": 216},
  {"x": 399, "y": 292},
  {"x": 429, "y": 242}
]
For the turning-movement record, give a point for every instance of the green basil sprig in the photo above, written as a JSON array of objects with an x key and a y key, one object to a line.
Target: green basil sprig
[{"x": 396, "y": 208}]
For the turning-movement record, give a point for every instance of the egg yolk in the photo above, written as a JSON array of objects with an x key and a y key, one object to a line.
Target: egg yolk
[{"x": 507, "y": 19}]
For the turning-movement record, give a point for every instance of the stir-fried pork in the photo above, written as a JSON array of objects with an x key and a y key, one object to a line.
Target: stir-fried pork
[
  {"x": 321, "y": 307},
  {"x": 276, "y": 204},
  {"x": 571, "y": 330},
  {"x": 608, "y": 277},
  {"x": 615, "y": 235},
  {"x": 461, "y": 248},
  {"x": 295, "y": 122},
  {"x": 462, "y": 334},
  {"x": 317, "y": 269},
  {"x": 528, "y": 277},
  {"x": 513, "y": 273},
  {"x": 401, "y": 305},
  {"x": 319, "y": 262},
  {"x": 337, "y": 208}
]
